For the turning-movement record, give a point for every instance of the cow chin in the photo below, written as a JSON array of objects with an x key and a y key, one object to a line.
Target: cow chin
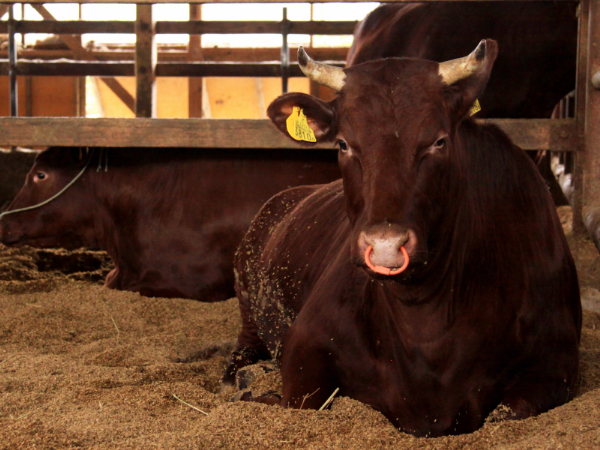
[{"x": 68, "y": 241}]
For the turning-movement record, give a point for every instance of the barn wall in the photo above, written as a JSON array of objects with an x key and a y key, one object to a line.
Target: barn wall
[
  {"x": 224, "y": 98},
  {"x": 50, "y": 96}
]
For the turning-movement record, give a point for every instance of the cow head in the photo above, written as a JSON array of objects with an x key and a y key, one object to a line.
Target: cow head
[
  {"x": 53, "y": 224},
  {"x": 395, "y": 123}
]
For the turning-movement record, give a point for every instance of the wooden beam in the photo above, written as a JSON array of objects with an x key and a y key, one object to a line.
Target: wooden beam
[
  {"x": 529, "y": 134},
  {"x": 591, "y": 157},
  {"x": 580, "y": 107},
  {"x": 120, "y": 92},
  {"x": 195, "y": 53},
  {"x": 255, "y": 27},
  {"x": 145, "y": 62},
  {"x": 193, "y": 27},
  {"x": 127, "y": 69},
  {"x": 172, "y": 53},
  {"x": 148, "y": 2}
]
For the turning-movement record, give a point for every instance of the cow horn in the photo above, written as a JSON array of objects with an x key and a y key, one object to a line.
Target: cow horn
[
  {"x": 457, "y": 69},
  {"x": 330, "y": 76}
]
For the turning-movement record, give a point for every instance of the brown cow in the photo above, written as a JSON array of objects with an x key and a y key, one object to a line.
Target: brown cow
[
  {"x": 534, "y": 71},
  {"x": 434, "y": 281},
  {"x": 170, "y": 219}
]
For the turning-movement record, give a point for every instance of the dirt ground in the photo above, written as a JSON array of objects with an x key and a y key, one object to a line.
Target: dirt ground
[{"x": 82, "y": 366}]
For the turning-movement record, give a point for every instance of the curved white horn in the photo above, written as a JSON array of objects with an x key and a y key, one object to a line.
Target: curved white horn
[
  {"x": 330, "y": 76},
  {"x": 457, "y": 69}
]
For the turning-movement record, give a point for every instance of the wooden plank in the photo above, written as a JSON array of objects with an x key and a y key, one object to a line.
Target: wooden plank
[
  {"x": 148, "y": 2},
  {"x": 531, "y": 134},
  {"x": 198, "y": 69},
  {"x": 580, "y": 107},
  {"x": 174, "y": 69},
  {"x": 173, "y": 53},
  {"x": 74, "y": 26},
  {"x": 145, "y": 62},
  {"x": 254, "y": 27},
  {"x": 195, "y": 53},
  {"x": 180, "y": 27},
  {"x": 540, "y": 134},
  {"x": 71, "y": 68},
  {"x": 591, "y": 163}
]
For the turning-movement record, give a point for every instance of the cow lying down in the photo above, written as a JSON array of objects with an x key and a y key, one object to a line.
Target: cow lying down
[
  {"x": 170, "y": 219},
  {"x": 434, "y": 281}
]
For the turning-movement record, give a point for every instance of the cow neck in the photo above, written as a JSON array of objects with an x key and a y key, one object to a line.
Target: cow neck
[{"x": 418, "y": 313}]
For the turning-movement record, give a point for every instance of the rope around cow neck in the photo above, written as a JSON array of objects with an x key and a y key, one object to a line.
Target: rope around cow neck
[{"x": 55, "y": 196}]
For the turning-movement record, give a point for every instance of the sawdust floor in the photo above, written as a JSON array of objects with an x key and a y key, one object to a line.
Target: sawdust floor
[{"x": 82, "y": 366}]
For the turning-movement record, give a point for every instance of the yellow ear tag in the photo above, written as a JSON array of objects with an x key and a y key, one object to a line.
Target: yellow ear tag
[
  {"x": 476, "y": 107},
  {"x": 297, "y": 126}
]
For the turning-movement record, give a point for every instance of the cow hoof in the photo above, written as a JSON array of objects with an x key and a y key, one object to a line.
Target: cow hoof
[
  {"x": 248, "y": 375},
  {"x": 269, "y": 398},
  {"x": 239, "y": 359},
  {"x": 226, "y": 388},
  {"x": 217, "y": 349},
  {"x": 243, "y": 396}
]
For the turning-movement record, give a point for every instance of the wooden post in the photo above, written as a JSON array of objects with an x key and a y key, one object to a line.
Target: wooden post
[
  {"x": 285, "y": 52},
  {"x": 591, "y": 155},
  {"x": 80, "y": 98},
  {"x": 12, "y": 57},
  {"x": 145, "y": 62},
  {"x": 195, "y": 54}
]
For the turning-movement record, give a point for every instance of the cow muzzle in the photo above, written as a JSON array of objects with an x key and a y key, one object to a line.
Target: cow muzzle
[{"x": 386, "y": 251}]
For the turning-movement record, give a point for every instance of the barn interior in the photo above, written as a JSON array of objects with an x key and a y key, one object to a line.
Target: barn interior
[{"x": 85, "y": 366}]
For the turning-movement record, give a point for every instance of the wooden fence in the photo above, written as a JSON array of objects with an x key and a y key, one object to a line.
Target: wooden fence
[{"x": 581, "y": 134}]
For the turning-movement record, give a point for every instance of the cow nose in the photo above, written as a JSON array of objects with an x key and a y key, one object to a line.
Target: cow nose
[{"x": 386, "y": 246}]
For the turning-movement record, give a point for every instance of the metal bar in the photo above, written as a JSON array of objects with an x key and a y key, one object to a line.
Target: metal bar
[
  {"x": 285, "y": 53},
  {"x": 529, "y": 134},
  {"x": 12, "y": 62}
]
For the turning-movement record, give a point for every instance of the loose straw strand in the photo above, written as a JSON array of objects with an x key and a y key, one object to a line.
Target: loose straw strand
[
  {"x": 329, "y": 400},
  {"x": 191, "y": 406}
]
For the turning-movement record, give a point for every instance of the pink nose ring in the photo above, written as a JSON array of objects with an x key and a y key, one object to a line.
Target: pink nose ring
[{"x": 386, "y": 270}]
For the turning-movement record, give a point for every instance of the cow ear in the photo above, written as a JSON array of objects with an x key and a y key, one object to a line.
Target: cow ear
[
  {"x": 465, "y": 91},
  {"x": 303, "y": 110}
]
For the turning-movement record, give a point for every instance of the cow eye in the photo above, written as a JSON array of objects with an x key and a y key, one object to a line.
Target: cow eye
[
  {"x": 440, "y": 143},
  {"x": 343, "y": 145},
  {"x": 39, "y": 176}
]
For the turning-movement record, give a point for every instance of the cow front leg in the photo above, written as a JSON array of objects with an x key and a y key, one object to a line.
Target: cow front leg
[
  {"x": 309, "y": 378},
  {"x": 250, "y": 348}
]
